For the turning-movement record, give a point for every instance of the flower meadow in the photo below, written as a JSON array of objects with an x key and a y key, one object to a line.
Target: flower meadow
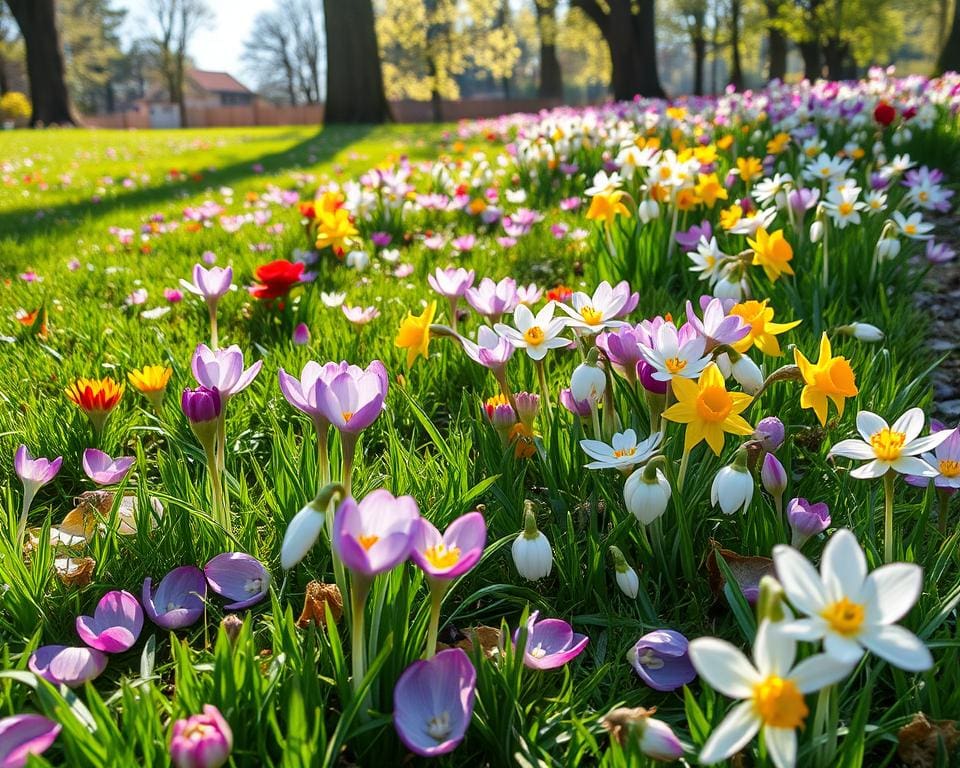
[{"x": 596, "y": 436}]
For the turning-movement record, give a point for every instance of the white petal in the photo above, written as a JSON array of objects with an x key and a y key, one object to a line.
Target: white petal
[
  {"x": 522, "y": 317},
  {"x": 819, "y": 671},
  {"x": 898, "y": 646},
  {"x": 868, "y": 424},
  {"x": 804, "y": 629},
  {"x": 891, "y": 590},
  {"x": 781, "y": 745},
  {"x": 911, "y": 465},
  {"x": 724, "y": 667},
  {"x": 732, "y": 734},
  {"x": 596, "y": 449},
  {"x": 911, "y": 423},
  {"x": 800, "y": 580},
  {"x": 870, "y": 471},
  {"x": 928, "y": 442},
  {"x": 773, "y": 651},
  {"x": 843, "y": 566},
  {"x": 853, "y": 449},
  {"x": 843, "y": 649}
]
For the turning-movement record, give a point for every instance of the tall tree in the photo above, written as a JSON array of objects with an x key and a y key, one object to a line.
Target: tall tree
[
  {"x": 302, "y": 15},
  {"x": 355, "y": 92},
  {"x": 628, "y": 26},
  {"x": 736, "y": 65},
  {"x": 693, "y": 20},
  {"x": 949, "y": 58},
  {"x": 177, "y": 22},
  {"x": 91, "y": 46},
  {"x": 45, "y": 70},
  {"x": 776, "y": 42},
  {"x": 270, "y": 56},
  {"x": 551, "y": 76}
]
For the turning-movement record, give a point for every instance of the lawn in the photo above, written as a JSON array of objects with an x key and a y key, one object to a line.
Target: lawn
[{"x": 97, "y": 230}]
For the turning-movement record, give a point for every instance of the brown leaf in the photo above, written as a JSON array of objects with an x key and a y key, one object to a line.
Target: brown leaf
[
  {"x": 920, "y": 737},
  {"x": 489, "y": 639},
  {"x": 75, "y": 571},
  {"x": 319, "y": 595},
  {"x": 747, "y": 570}
]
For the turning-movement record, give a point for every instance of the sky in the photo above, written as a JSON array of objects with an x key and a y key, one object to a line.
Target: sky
[{"x": 219, "y": 45}]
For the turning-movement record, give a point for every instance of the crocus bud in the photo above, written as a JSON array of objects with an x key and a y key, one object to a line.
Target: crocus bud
[
  {"x": 202, "y": 407},
  {"x": 773, "y": 475},
  {"x": 887, "y": 248},
  {"x": 588, "y": 382},
  {"x": 231, "y": 624},
  {"x": 816, "y": 231},
  {"x": 653, "y": 737},
  {"x": 531, "y": 550},
  {"x": 627, "y": 578},
  {"x": 770, "y": 602},
  {"x": 301, "y": 334},
  {"x": 647, "y": 492},
  {"x": 770, "y": 433},
  {"x": 747, "y": 373},
  {"x": 527, "y": 406},
  {"x": 648, "y": 210},
  {"x": 201, "y": 741},
  {"x": 733, "y": 486},
  {"x": 806, "y": 520},
  {"x": 305, "y": 527},
  {"x": 862, "y": 332}
]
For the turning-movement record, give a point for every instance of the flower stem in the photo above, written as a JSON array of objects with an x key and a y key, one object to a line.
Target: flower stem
[
  {"x": 323, "y": 451},
  {"x": 683, "y": 468},
  {"x": 542, "y": 377},
  {"x": 943, "y": 510},
  {"x": 219, "y": 512},
  {"x": 595, "y": 417},
  {"x": 348, "y": 443},
  {"x": 28, "y": 494},
  {"x": 888, "y": 516},
  {"x": 212, "y": 307},
  {"x": 360, "y": 588},
  {"x": 437, "y": 590}
]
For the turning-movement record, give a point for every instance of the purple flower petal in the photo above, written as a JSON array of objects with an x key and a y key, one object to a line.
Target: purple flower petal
[
  {"x": 238, "y": 577},
  {"x": 24, "y": 735},
  {"x": 115, "y": 625},
  {"x": 67, "y": 665},
  {"x": 178, "y": 600}
]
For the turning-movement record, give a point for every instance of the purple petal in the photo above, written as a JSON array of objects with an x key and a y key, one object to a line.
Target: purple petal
[
  {"x": 23, "y": 735},
  {"x": 67, "y": 665},
  {"x": 178, "y": 601},
  {"x": 115, "y": 625},
  {"x": 238, "y": 577}
]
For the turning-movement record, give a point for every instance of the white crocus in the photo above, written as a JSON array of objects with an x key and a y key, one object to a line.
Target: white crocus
[
  {"x": 646, "y": 493},
  {"x": 673, "y": 355},
  {"x": 913, "y": 226},
  {"x": 592, "y": 314},
  {"x": 536, "y": 334},
  {"x": 850, "y": 610},
  {"x": 772, "y": 690},
  {"x": 623, "y": 452},
  {"x": 732, "y": 489},
  {"x": 888, "y": 448},
  {"x": 531, "y": 551}
]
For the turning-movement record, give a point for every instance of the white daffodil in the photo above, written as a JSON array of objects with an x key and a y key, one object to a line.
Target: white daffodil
[
  {"x": 897, "y": 447},
  {"x": 707, "y": 259},
  {"x": 623, "y": 452},
  {"x": 749, "y": 224},
  {"x": 592, "y": 314},
  {"x": 536, "y": 334},
  {"x": 676, "y": 354},
  {"x": 772, "y": 690},
  {"x": 913, "y": 226},
  {"x": 843, "y": 206},
  {"x": 850, "y": 610}
]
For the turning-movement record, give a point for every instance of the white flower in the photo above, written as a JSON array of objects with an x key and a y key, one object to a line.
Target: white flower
[
  {"x": 816, "y": 231},
  {"x": 647, "y": 498},
  {"x": 863, "y": 332},
  {"x": 648, "y": 210},
  {"x": 531, "y": 551},
  {"x": 629, "y": 582},
  {"x": 750, "y": 223},
  {"x": 887, "y": 248},
  {"x": 732, "y": 488},
  {"x": 359, "y": 260},
  {"x": 850, "y": 610},
  {"x": 603, "y": 184},
  {"x": 624, "y": 452},
  {"x": 913, "y": 226},
  {"x": 887, "y": 447},
  {"x": 537, "y": 334},
  {"x": 671, "y": 357},
  {"x": 707, "y": 258},
  {"x": 588, "y": 382},
  {"x": 332, "y": 300},
  {"x": 301, "y": 535},
  {"x": 592, "y": 314},
  {"x": 843, "y": 206},
  {"x": 771, "y": 687}
]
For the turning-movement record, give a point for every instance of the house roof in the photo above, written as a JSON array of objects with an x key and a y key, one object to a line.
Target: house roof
[{"x": 217, "y": 82}]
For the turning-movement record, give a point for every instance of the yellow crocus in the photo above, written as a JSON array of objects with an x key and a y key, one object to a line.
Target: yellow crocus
[
  {"x": 152, "y": 381},
  {"x": 709, "y": 189},
  {"x": 606, "y": 206},
  {"x": 829, "y": 378},
  {"x": 414, "y": 333},
  {"x": 708, "y": 410}
]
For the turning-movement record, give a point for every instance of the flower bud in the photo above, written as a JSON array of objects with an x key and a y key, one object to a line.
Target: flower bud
[
  {"x": 653, "y": 737},
  {"x": 806, "y": 520},
  {"x": 862, "y": 332},
  {"x": 588, "y": 383},
  {"x": 527, "y": 406},
  {"x": 531, "y": 550},
  {"x": 732, "y": 487},
  {"x": 646, "y": 493},
  {"x": 579, "y": 408},
  {"x": 201, "y": 741},
  {"x": 887, "y": 248},
  {"x": 648, "y": 210},
  {"x": 627, "y": 578},
  {"x": 302, "y": 533},
  {"x": 773, "y": 475},
  {"x": 748, "y": 374},
  {"x": 770, "y": 432},
  {"x": 816, "y": 231},
  {"x": 770, "y": 602}
]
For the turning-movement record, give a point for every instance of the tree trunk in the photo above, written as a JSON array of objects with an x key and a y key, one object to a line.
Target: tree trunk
[
  {"x": 699, "y": 57},
  {"x": 812, "y": 68},
  {"x": 48, "y": 89},
  {"x": 551, "y": 76},
  {"x": 835, "y": 53},
  {"x": 949, "y": 59},
  {"x": 355, "y": 91},
  {"x": 777, "y": 42},
  {"x": 4, "y": 82},
  {"x": 736, "y": 67}
]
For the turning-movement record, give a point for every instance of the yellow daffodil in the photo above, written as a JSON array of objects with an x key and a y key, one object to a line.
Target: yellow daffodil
[
  {"x": 772, "y": 252},
  {"x": 708, "y": 409},
  {"x": 709, "y": 189},
  {"x": 706, "y": 155},
  {"x": 687, "y": 199},
  {"x": 152, "y": 381},
  {"x": 830, "y": 377},
  {"x": 336, "y": 231},
  {"x": 763, "y": 331},
  {"x": 606, "y": 206},
  {"x": 778, "y": 143},
  {"x": 329, "y": 201},
  {"x": 749, "y": 168},
  {"x": 725, "y": 142},
  {"x": 414, "y": 333},
  {"x": 730, "y": 216}
]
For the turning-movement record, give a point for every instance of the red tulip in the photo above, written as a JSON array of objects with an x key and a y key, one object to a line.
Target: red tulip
[{"x": 276, "y": 279}]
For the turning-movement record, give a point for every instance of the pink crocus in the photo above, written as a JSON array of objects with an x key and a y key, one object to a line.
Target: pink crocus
[
  {"x": 222, "y": 369},
  {"x": 301, "y": 334},
  {"x": 551, "y": 643},
  {"x": 717, "y": 327},
  {"x": 581, "y": 408},
  {"x": 34, "y": 474},
  {"x": 529, "y": 294},
  {"x": 301, "y": 393},
  {"x": 67, "y": 665},
  {"x": 491, "y": 300},
  {"x": 374, "y": 536},
  {"x": 433, "y": 703},
  {"x": 209, "y": 284},
  {"x": 115, "y": 625},
  {"x": 622, "y": 347},
  {"x": 360, "y": 315},
  {"x": 464, "y": 243},
  {"x": 491, "y": 350},
  {"x": 201, "y": 741},
  {"x": 177, "y": 601},
  {"x": 452, "y": 282},
  {"x": 238, "y": 577},
  {"x": 172, "y": 295},
  {"x": 103, "y": 469},
  {"x": 25, "y": 735},
  {"x": 450, "y": 554},
  {"x": 354, "y": 399}
]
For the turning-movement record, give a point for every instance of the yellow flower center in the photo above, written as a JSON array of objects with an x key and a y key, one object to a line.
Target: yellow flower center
[
  {"x": 347, "y": 415},
  {"x": 910, "y": 229},
  {"x": 845, "y": 208},
  {"x": 714, "y": 404},
  {"x": 950, "y": 468},
  {"x": 844, "y": 617},
  {"x": 887, "y": 444},
  {"x": 533, "y": 335},
  {"x": 440, "y": 557},
  {"x": 922, "y": 196},
  {"x": 367, "y": 540},
  {"x": 676, "y": 364},
  {"x": 197, "y": 731},
  {"x": 779, "y": 703},
  {"x": 622, "y": 452},
  {"x": 591, "y": 316}
]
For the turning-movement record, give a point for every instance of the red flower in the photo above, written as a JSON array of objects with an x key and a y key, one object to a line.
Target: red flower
[
  {"x": 884, "y": 114},
  {"x": 276, "y": 279},
  {"x": 561, "y": 293},
  {"x": 308, "y": 210}
]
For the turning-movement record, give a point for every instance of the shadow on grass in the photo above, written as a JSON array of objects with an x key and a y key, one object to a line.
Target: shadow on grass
[{"x": 22, "y": 223}]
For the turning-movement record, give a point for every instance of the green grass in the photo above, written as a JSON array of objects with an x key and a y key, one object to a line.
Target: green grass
[{"x": 286, "y": 690}]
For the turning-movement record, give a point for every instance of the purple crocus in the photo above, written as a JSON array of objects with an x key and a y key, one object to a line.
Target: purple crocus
[
  {"x": 551, "y": 643},
  {"x": 223, "y": 369},
  {"x": 202, "y": 404},
  {"x": 450, "y": 554},
  {"x": 34, "y": 474},
  {"x": 301, "y": 335},
  {"x": 353, "y": 400},
  {"x": 452, "y": 282},
  {"x": 581, "y": 408},
  {"x": 802, "y": 200},
  {"x": 622, "y": 348},
  {"x": 689, "y": 239},
  {"x": 661, "y": 660},
  {"x": 492, "y": 300},
  {"x": 115, "y": 625},
  {"x": 433, "y": 703},
  {"x": 492, "y": 350},
  {"x": 806, "y": 520},
  {"x": 374, "y": 536},
  {"x": 770, "y": 432},
  {"x": 717, "y": 327},
  {"x": 67, "y": 665},
  {"x": 209, "y": 284},
  {"x": 201, "y": 741},
  {"x": 103, "y": 469},
  {"x": 178, "y": 600},
  {"x": 238, "y": 577},
  {"x": 301, "y": 393},
  {"x": 25, "y": 735}
]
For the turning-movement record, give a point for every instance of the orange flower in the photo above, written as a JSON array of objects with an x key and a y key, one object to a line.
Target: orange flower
[{"x": 96, "y": 398}]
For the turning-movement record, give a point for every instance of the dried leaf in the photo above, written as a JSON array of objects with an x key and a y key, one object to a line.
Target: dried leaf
[
  {"x": 747, "y": 570},
  {"x": 318, "y": 596},
  {"x": 919, "y": 740},
  {"x": 489, "y": 639},
  {"x": 75, "y": 571}
]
